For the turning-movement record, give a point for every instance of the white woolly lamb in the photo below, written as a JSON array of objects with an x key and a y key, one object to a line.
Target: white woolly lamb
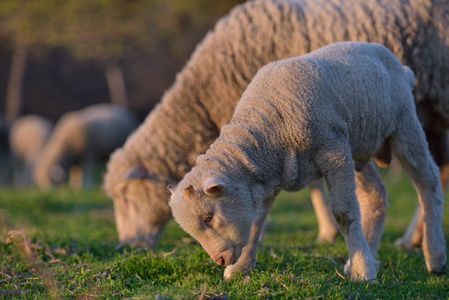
[
  {"x": 27, "y": 137},
  {"x": 87, "y": 135},
  {"x": 203, "y": 98},
  {"x": 302, "y": 119}
]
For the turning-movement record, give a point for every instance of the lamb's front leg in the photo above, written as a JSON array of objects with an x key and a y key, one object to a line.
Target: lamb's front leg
[
  {"x": 337, "y": 168},
  {"x": 247, "y": 259},
  {"x": 372, "y": 198}
]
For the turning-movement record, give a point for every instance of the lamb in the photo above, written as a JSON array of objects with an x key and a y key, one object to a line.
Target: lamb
[
  {"x": 87, "y": 135},
  {"x": 301, "y": 119},
  {"x": 255, "y": 33},
  {"x": 27, "y": 137}
]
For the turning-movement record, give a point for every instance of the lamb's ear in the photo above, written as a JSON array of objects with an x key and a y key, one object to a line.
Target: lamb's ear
[
  {"x": 213, "y": 186},
  {"x": 189, "y": 192},
  {"x": 136, "y": 172},
  {"x": 172, "y": 188}
]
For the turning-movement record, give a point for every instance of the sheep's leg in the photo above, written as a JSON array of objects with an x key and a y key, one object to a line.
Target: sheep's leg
[
  {"x": 327, "y": 226},
  {"x": 87, "y": 165},
  {"x": 20, "y": 169},
  {"x": 409, "y": 145},
  {"x": 247, "y": 259},
  {"x": 338, "y": 170},
  {"x": 439, "y": 147},
  {"x": 372, "y": 197}
]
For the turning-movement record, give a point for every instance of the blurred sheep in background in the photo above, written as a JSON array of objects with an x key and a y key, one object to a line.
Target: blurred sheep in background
[
  {"x": 82, "y": 138},
  {"x": 27, "y": 138}
]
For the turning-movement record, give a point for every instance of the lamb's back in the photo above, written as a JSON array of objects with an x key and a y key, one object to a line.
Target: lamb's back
[{"x": 353, "y": 88}]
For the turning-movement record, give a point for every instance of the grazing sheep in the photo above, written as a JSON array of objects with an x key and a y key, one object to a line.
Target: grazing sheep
[
  {"x": 301, "y": 119},
  {"x": 85, "y": 135},
  {"x": 255, "y": 33},
  {"x": 27, "y": 137}
]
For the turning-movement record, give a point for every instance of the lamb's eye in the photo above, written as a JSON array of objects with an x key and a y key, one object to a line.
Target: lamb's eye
[{"x": 208, "y": 220}]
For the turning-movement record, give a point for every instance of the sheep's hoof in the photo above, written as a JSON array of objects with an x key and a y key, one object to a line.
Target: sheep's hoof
[
  {"x": 326, "y": 238},
  {"x": 439, "y": 270}
]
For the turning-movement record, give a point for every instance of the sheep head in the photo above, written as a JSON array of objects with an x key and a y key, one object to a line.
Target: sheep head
[
  {"x": 140, "y": 207},
  {"x": 215, "y": 210}
]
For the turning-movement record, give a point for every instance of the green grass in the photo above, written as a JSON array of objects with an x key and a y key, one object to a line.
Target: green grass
[{"x": 72, "y": 237}]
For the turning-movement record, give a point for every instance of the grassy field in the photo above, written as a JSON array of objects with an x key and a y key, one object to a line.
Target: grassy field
[{"x": 62, "y": 244}]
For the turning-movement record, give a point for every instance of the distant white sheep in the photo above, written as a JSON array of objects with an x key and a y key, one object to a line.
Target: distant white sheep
[
  {"x": 203, "y": 98},
  {"x": 27, "y": 137},
  {"x": 83, "y": 137},
  {"x": 302, "y": 119}
]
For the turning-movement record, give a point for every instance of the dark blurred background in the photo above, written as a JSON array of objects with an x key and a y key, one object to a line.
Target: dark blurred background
[{"x": 58, "y": 56}]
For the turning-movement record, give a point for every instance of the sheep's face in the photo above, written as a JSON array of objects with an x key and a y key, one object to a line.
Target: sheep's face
[
  {"x": 141, "y": 210},
  {"x": 217, "y": 212}
]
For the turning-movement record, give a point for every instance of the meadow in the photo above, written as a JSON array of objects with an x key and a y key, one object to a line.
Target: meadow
[{"x": 62, "y": 244}]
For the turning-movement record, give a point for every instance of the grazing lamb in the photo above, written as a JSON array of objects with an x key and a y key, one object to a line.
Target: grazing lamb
[
  {"x": 299, "y": 120},
  {"x": 85, "y": 135},
  {"x": 206, "y": 91},
  {"x": 27, "y": 137}
]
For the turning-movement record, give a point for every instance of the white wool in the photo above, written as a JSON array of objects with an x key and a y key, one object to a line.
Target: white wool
[
  {"x": 313, "y": 115},
  {"x": 205, "y": 92}
]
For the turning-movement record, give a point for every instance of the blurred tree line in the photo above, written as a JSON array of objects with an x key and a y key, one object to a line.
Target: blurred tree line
[{"x": 57, "y": 56}]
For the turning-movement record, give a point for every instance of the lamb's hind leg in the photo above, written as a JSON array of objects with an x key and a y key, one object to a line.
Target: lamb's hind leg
[
  {"x": 439, "y": 147},
  {"x": 409, "y": 145}
]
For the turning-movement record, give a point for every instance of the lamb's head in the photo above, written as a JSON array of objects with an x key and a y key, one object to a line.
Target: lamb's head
[
  {"x": 141, "y": 207},
  {"x": 215, "y": 210}
]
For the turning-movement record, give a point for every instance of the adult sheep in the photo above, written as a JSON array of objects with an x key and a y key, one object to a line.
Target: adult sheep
[
  {"x": 203, "y": 97},
  {"x": 27, "y": 137},
  {"x": 83, "y": 137},
  {"x": 305, "y": 118}
]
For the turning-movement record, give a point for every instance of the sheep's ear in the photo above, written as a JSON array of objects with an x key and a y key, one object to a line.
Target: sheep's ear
[
  {"x": 172, "y": 188},
  {"x": 189, "y": 192},
  {"x": 136, "y": 172},
  {"x": 213, "y": 186}
]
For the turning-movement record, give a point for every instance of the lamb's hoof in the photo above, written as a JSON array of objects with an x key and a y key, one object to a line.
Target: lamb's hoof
[
  {"x": 441, "y": 270},
  {"x": 371, "y": 278},
  {"x": 237, "y": 268},
  {"x": 364, "y": 277},
  {"x": 404, "y": 243},
  {"x": 230, "y": 271}
]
